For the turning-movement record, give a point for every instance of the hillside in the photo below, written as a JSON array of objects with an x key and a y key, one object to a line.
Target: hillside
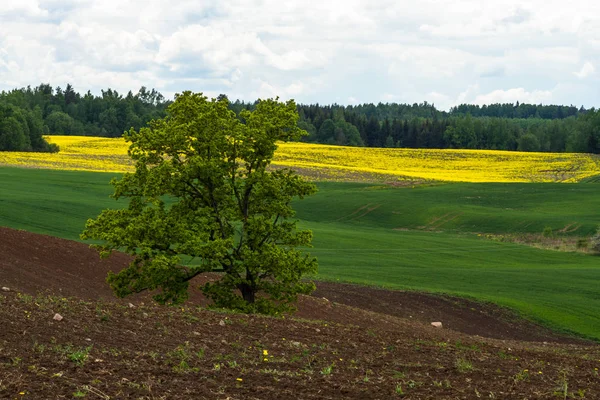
[
  {"x": 104, "y": 348},
  {"x": 409, "y": 246}
]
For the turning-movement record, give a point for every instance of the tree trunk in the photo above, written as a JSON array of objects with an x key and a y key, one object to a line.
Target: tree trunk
[{"x": 247, "y": 293}]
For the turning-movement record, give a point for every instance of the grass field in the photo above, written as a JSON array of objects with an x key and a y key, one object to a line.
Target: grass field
[
  {"x": 423, "y": 238},
  {"x": 496, "y": 208}
]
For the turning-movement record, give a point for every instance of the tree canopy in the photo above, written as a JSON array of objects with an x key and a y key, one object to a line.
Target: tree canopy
[
  {"x": 22, "y": 130},
  {"x": 202, "y": 193}
]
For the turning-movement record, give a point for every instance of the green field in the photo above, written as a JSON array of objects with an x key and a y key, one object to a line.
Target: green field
[{"x": 420, "y": 238}]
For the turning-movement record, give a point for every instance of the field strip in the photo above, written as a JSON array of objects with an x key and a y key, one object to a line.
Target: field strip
[{"x": 341, "y": 163}]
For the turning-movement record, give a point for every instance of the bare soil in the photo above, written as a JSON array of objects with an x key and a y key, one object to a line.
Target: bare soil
[{"x": 345, "y": 341}]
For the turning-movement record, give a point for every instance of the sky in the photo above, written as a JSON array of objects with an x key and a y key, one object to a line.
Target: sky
[{"x": 345, "y": 52}]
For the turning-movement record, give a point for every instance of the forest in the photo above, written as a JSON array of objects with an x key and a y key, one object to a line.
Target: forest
[{"x": 26, "y": 114}]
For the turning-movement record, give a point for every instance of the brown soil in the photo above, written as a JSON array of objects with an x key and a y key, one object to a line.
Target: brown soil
[
  {"x": 458, "y": 314},
  {"x": 346, "y": 341}
]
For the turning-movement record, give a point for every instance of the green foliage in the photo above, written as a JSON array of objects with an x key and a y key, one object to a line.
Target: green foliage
[
  {"x": 21, "y": 130},
  {"x": 80, "y": 356},
  {"x": 463, "y": 365},
  {"x": 590, "y": 128},
  {"x": 529, "y": 142},
  {"x": 461, "y": 134},
  {"x": 12, "y": 137},
  {"x": 60, "y": 123},
  {"x": 202, "y": 189}
]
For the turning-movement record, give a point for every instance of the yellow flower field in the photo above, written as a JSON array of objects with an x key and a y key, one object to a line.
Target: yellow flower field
[
  {"x": 345, "y": 163},
  {"x": 442, "y": 165}
]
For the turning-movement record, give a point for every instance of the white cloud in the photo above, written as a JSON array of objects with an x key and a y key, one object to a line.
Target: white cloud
[
  {"x": 389, "y": 50},
  {"x": 424, "y": 61},
  {"x": 468, "y": 95},
  {"x": 585, "y": 71},
  {"x": 513, "y": 95},
  {"x": 440, "y": 100},
  {"x": 25, "y": 8}
]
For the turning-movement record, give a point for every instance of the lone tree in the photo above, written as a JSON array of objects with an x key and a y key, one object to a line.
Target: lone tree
[{"x": 201, "y": 189}]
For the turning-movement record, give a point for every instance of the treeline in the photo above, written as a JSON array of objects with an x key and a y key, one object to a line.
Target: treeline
[
  {"x": 518, "y": 110},
  {"x": 28, "y": 113},
  {"x": 523, "y": 127},
  {"x": 574, "y": 134}
]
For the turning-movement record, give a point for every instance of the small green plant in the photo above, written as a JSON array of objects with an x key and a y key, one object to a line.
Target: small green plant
[
  {"x": 461, "y": 346},
  {"x": 79, "y": 393},
  {"x": 295, "y": 358},
  {"x": 411, "y": 384},
  {"x": 399, "y": 375},
  {"x": 562, "y": 391},
  {"x": 521, "y": 376},
  {"x": 80, "y": 356},
  {"x": 102, "y": 315},
  {"x": 191, "y": 318},
  {"x": 463, "y": 366},
  {"x": 399, "y": 390},
  {"x": 25, "y": 298},
  {"x": 327, "y": 370},
  {"x": 366, "y": 378},
  {"x": 15, "y": 361},
  {"x": 547, "y": 232},
  {"x": 183, "y": 367}
]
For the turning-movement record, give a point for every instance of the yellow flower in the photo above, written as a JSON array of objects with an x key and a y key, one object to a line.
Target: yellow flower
[
  {"x": 341, "y": 163},
  {"x": 239, "y": 379},
  {"x": 265, "y": 352}
]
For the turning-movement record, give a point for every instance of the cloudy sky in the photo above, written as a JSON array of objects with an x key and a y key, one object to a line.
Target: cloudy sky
[{"x": 348, "y": 52}]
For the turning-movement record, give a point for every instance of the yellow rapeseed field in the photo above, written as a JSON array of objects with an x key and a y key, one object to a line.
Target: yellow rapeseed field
[
  {"x": 84, "y": 153},
  {"x": 345, "y": 163}
]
